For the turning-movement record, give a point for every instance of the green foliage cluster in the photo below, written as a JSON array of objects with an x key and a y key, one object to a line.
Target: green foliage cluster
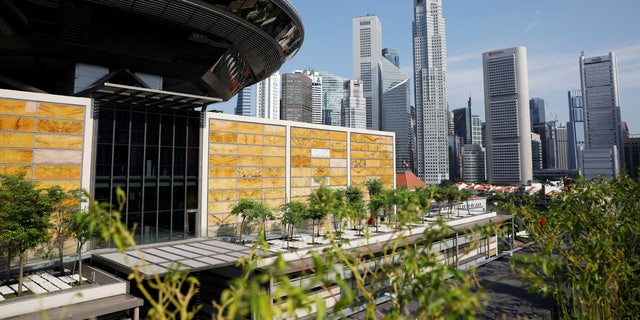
[{"x": 587, "y": 252}]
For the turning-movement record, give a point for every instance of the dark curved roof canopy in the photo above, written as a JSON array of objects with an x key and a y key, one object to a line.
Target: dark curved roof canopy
[{"x": 200, "y": 47}]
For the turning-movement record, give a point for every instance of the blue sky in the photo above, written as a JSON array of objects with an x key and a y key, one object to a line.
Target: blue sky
[{"x": 554, "y": 32}]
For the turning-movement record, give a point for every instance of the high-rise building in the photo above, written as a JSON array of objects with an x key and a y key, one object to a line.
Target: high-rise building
[
  {"x": 332, "y": 95},
  {"x": 244, "y": 102},
  {"x": 537, "y": 111},
  {"x": 476, "y": 130},
  {"x": 546, "y": 130},
  {"x": 430, "y": 80},
  {"x": 268, "y": 97},
  {"x": 632, "y": 155},
  {"x": 395, "y": 110},
  {"x": 367, "y": 53},
  {"x": 603, "y": 131},
  {"x": 536, "y": 152},
  {"x": 462, "y": 123},
  {"x": 563, "y": 156},
  {"x": 391, "y": 55},
  {"x": 316, "y": 96},
  {"x": 506, "y": 96},
  {"x": 473, "y": 163},
  {"x": 354, "y": 110},
  {"x": 296, "y": 100},
  {"x": 575, "y": 127}
]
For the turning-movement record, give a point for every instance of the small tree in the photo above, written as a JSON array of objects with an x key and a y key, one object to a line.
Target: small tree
[
  {"x": 321, "y": 203},
  {"x": 292, "y": 213},
  {"x": 251, "y": 211},
  {"x": 464, "y": 196},
  {"x": 377, "y": 198},
  {"x": 339, "y": 212},
  {"x": 24, "y": 215},
  {"x": 66, "y": 206},
  {"x": 85, "y": 226},
  {"x": 355, "y": 205}
]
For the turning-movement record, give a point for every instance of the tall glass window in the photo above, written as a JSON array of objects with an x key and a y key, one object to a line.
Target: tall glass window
[{"x": 153, "y": 156}]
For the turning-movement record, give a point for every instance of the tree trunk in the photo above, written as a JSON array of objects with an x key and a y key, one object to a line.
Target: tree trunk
[
  {"x": 80, "y": 266},
  {"x": 8, "y": 276},
  {"x": 60, "y": 254},
  {"x": 21, "y": 274},
  {"x": 313, "y": 231}
]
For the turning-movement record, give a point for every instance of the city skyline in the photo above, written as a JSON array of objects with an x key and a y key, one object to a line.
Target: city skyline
[{"x": 553, "y": 34}]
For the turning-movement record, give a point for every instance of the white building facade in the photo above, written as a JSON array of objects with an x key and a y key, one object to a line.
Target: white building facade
[
  {"x": 367, "y": 53},
  {"x": 354, "y": 111},
  {"x": 268, "y": 97},
  {"x": 430, "y": 80},
  {"x": 508, "y": 126}
]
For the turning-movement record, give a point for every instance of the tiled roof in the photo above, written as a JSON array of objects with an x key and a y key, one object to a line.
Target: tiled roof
[{"x": 408, "y": 180}]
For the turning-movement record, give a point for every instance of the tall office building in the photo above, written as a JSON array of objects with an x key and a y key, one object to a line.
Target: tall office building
[
  {"x": 506, "y": 98},
  {"x": 462, "y": 123},
  {"x": 476, "y": 130},
  {"x": 244, "y": 102},
  {"x": 391, "y": 55},
  {"x": 603, "y": 131},
  {"x": 367, "y": 54},
  {"x": 537, "y": 111},
  {"x": 354, "y": 105},
  {"x": 473, "y": 163},
  {"x": 536, "y": 152},
  {"x": 546, "y": 130},
  {"x": 430, "y": 80},
  {"x": 575, "y": 127},
  {"x": 296, "y": 100},
  {"x": 268, "y": 97},
  {"x": 563, "y": 154},
  {"x": 332, "y": 94},
  {"x": 316, "y": 96},
  {"x": 395, "y": 110}
]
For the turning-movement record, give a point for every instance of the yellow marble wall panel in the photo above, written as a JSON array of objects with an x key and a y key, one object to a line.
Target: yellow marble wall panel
[
  {"x": 274, "y": 151},
  {"x": 249, "y": 183},
  {"x": 59, "y": 126},
  {"x": 336, "y": 135},
  {"x": 255, "y": 194},
  {"x": 15, "y": 139},
  {"x": 373, "y": 163},
  {"x": 18, "y": 107},
  {"x": 223, "y": 195},
  {"x": 249, "y": 161},
  {"x": 386, "y": 163},
  {"x": 301, "y": 172},
  {"x": 274, "y": 161},
  {"x": 387, "y": 179},
  {"x": 388, "y": 171},
  {"x": 319, "y": 162},
  {"x": 359, "y": 155},
  {"x": 373, "y": 147},
  {"x": 249, "y": 172},
  {"x": 222, "y": 184},
  {"x": 373, "y": 171},
  {"x": 300, "y": 132},
  {"x": 386, "y": 155},
  {"x": 47, "y": 110},
  {"x": 300, "y": 192},
  {"x": 321, "y": 134},
  {"x": 17, "y": 124},
  {"x": 222, "y": 148},
  {"x": 338, "y": 145},
  {"x": 338, "y": 172},
  {"x": 274, "y": 193},
  {"x": 341, "y": 154},
  {"x": 54, "y": 141},
  {"x": 275, "y": 141},
  {"x": 220, "y": 172},
  {"x": 338, "y": 163},
  {"x": 224, "y": 137},
  {"x": 388, "y": 141},
  {"x": 386, "y": 147},
  {"x": 358, "y": 146},
  {"x": 358, "y": 180},
  {"x": 274, "y": 203},
  {"x": 16, "y": 169},
  {"x": 223, "y": 125},
  {"x": 64, "y": 184},
  {"x": 300, "y": 162},
  {"x": 249, "y": 127},
  {"x": 300, "y": 142},
  {"x": 338, "y": 181},
  {"x": 357, "y": 163},
  {"x": 16, "y": 156},
  {"x": 274, "y": 172},
  {"x": 218, "y": 219},
  {"x": 322, "y": 144},
  {"x": 357, "y": 137},
  {"x": 300, "y": 152},
  {"x": 245, "y": 138},
  {"x": 358, "y": 171},
  {"x": 275, "y": 130},
  {"x": 372, "y": 138},
  {"x": 273, "y": 182},
  {"x": 250, "y": 150},
  {"x": 220, "y": 207},
  {"x": 223, "y": 161},
  {"x": 320, "y": 172},
  {"x": 56, "y": 172},
  {"x": 301, "y": 182}
]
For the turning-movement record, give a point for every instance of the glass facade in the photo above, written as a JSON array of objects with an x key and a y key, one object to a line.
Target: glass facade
[{"x": 153, "y": 156}]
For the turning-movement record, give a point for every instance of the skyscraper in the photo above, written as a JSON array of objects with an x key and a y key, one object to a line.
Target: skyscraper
[
  {"x": 268, "y": 97},
  {"x": 367, "y": 53},
  {"x": 353, "y": 111},
  {"x": 244, "y": 102},
  {"x": 476, "y": 130},
  {"x": 563, "y": 158},
  {"x": 506, "y": 98},
  {"x": 391, "y": 55},
  {"x": 575, "y": 127},
  {"x": 316, "y": 96},
  {"x": 430, "y": 80},
  {"x": 603, "y": 131},
  {"x": 332, "y": 94},
  {"x": 296, "y": 97}
]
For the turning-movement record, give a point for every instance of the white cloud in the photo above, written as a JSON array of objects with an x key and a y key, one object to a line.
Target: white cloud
[{"x": 536, "y": 16}]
